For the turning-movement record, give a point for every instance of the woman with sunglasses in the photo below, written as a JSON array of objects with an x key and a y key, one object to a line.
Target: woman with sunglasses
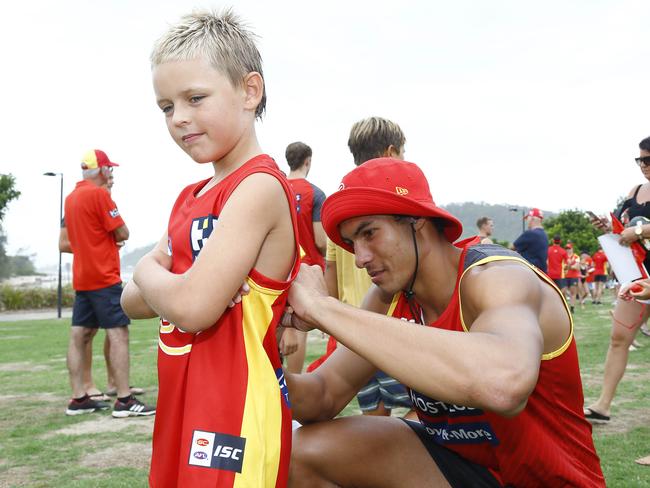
[{"x": 628, "y": 315}]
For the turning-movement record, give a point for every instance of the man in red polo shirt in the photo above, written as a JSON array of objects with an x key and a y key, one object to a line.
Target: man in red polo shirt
[{"x": 95, "y": 231}]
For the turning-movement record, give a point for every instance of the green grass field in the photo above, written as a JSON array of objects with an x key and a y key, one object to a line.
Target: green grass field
[{"x": 41, "y": 447}]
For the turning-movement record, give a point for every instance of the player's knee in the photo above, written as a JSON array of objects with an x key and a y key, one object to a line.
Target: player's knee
[
  {"x": 306, "y": 448},
  {"x": 304, "y": 453},
  {"x": 620, "y": 338}
]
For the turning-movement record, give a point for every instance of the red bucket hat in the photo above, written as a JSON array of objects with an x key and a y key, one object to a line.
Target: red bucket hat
[{"x": 384, "y": 186}]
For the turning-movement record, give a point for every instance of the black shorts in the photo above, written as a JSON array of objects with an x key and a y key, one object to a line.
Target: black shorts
[
  {"x": 560, "y": 282},
  {"x": 99, "y": 308},
  {"x": 600, "y": 278},
  {"x": 458, "y": 471},
  {"x": 571, "y": 281}
]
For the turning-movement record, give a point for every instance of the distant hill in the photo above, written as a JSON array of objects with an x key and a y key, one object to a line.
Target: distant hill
[
  {"x": 130, "y": 259},
  {"x": 508, "y": 224}
]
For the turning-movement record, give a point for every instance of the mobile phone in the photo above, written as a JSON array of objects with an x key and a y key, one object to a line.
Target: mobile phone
[{"x": 592, "y": 215}]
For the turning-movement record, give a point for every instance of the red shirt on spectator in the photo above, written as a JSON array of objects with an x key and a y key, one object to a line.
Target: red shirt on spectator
[
  {"x": 599, "y": 262},
  {"x": 556, "y": 260}
]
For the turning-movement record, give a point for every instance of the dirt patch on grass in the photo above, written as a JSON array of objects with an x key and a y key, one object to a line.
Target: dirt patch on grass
[
  {"x": 25, "y": 366},
  {"x": 37, "y": 397},
  {"x": 129, "y": 455},
  {"x": 16, "y": 476},
  {"x": 103, "y": 423},
  {"x": 625, "y": 420}
]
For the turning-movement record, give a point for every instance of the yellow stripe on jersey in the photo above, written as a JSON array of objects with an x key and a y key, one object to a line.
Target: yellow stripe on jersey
[
  {"x": 167, "y": 329},
  {"x": 393, "y": 304},
  {"x": 491, "y": 259},
  {"x": 174, "y": 351},
  {"x": 262, "y": 420}
]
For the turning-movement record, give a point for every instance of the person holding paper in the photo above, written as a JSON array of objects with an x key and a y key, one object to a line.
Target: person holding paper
[{"x": 628, "y": 315}]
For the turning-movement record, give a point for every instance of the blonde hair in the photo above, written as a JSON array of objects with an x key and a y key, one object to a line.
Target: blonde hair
[
  {"x": 370, "y": 137},
  {"x": 221, "y": 38}
]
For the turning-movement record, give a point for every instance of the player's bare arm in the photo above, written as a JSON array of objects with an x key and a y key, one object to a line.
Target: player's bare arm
[
  {"x": 324, "y": 393},
  {"x": 251, "y": 232},
  {"x": 132, "y": 301},
  {"x": 64, "y": 241},
  {"x": 461, "y": 371},
  {"x": 121, "y": 233},
  {"x": 320, "y": 238},
  {"x": 330, "y": 279}
]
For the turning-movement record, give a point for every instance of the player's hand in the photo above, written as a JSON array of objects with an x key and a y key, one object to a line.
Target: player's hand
[
  {"x": 639, "y": 290},
  {"x": 307, "y": 289},
  {"x": 243, "y": 291},
  {"x": 601, "y": 224},
  {"x": 289, "y": 341},
  {"x": 291, "y": 321},
  {"x": 628, "y": 236}
]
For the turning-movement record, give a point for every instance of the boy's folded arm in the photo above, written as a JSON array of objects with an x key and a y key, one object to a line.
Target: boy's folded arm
[
  {"x": 195, "y": 300},
  {"x": 134, "y": 304},
  {"x": 132, "y": 300}
]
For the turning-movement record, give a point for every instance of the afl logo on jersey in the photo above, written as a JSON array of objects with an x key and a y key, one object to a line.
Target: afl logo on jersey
[{"x": 199, "y": 232}]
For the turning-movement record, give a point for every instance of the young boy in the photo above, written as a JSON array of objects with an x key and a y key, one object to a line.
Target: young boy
[{"x": 224, "y": 416}]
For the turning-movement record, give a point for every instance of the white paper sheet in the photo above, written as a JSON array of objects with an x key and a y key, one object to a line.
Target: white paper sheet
[{"x": 621, "y": 259}]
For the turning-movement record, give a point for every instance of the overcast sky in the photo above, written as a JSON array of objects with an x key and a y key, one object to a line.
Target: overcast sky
[{"x": 529, "y": 103}]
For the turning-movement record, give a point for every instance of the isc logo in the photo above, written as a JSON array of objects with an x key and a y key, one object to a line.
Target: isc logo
[{"x": 227, "y": 452}]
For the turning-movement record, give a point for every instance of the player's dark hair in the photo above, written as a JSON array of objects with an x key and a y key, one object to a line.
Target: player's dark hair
[
  {"x": 296, "y": 154},
  {"x": 644, "y": 145},
  {"x": 482, "y": 221}
]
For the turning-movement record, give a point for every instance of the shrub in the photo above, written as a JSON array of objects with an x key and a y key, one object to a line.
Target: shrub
[{"x": 13, "y": 298}]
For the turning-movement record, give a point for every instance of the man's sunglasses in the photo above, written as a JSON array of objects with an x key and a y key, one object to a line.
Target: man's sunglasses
[{"x": 643, "y": 160}]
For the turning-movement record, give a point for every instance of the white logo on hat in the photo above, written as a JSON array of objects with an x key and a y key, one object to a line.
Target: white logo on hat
[{"x": 341, "y": 186}]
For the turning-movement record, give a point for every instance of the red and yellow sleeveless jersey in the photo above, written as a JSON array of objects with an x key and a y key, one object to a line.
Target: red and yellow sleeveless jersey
[
  {"x": 549, "y": 443},
  {"x": 589, "y": 263},
  {"x": 304, "y": 202},
  {"x": 555, "y": 262},
  {"x": 223, "y": 416},
  {"x": 570, "y": 271},
  {"x": 600, "y": 261}
]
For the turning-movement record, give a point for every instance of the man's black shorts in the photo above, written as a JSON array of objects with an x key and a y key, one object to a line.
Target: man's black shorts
[
  {"x": 600, "y": 278},
  {"x": 459, "y": 472},
  {"x": 99, "y": 308},
  {"x": 571, "y": 281},
  {"x": 560, "y": 282}
]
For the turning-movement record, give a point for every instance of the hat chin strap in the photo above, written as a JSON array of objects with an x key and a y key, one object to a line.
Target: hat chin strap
[{"x": 410, "y": 294}]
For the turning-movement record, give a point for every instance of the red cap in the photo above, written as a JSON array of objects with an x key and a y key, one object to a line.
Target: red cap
[
  {"x": 534, "y": 212},
  {"x": 95, "y": 158},
  {"x": 383, "y": 186},
  {"x": 569, "y": 246}
]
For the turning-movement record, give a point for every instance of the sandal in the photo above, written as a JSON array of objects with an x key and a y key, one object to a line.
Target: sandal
[
  {"x": 596, "y": 417},
  {"x": 99, "y": 397},
  {"x": 644, "y": 461},
  {"x": 135, "y": 390}
]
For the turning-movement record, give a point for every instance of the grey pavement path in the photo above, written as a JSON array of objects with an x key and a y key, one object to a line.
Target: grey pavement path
[{"x": 48, "y": 313}]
